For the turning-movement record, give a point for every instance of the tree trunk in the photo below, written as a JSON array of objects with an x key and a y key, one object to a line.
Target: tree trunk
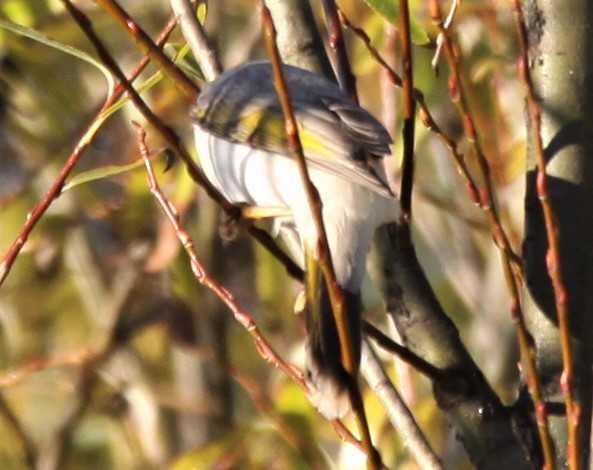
[{"x": 560, "y": 59}]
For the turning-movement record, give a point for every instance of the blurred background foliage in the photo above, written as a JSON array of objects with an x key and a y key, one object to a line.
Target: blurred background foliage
[{"x": 177, "y": 381}]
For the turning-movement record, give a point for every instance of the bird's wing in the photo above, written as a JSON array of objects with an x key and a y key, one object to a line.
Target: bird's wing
[
  {"x": 333, "y": 135},
  {"x": 337, "y": 135}
]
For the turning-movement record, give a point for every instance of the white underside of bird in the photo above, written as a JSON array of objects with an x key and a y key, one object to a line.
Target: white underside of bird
[{"x": 351, "y": 212}]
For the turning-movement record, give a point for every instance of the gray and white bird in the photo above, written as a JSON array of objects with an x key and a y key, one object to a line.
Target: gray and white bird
[{"x": 243, "y": 150}]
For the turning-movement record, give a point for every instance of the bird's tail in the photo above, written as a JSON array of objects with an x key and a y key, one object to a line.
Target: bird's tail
[{"x": 324, "y": 364}]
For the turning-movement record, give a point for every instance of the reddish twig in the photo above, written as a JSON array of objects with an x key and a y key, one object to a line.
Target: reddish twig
[
  {"x": 407, "y": 182},
  {"x": 440, "y": 37},
  {"x": 165, "y": 131},
  {"x": 261, "y": 401},
  {"x": 16, "y": 375},
  {"x": 324, "y": 256},
  {"x": 54, "y": 191},
  {"x": 425, "y": 117},
  {"x": 513, "y": 279},
  {"x": 265, "y": 350},
  {"x": 149, "y": 48},
  {"x": 485, "y": 194},
  {"x": 553, "y": 256}
]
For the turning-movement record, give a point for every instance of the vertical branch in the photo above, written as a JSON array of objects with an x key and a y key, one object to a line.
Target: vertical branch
[
  {"x": 194, "y": 35},
  {"x": 409, "y": 111},
  {"x": 335, "y": 292},
  {"x": 553, "y": 258},
  {"x": 513, "y": 279},
  {"x": 346, "y": 78},
  {"x": 298, "y": 37},
  {"x": 555, "y": 71}
]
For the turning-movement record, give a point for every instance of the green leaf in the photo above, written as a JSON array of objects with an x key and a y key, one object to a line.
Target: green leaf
[
  {"x": 177, "y": 56},
  {"x": 389, "y": 9},
  {"x": 100, "y": 173},
  {"x": 41, "y": 38}
]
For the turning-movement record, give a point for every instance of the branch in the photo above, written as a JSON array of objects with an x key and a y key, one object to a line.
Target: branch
[
  {"x": 399, "y": 414},
  {"x": 553, "y": 259},
  {"x": 323, "y": 254},
  {"x": 35, "y": 214},
  {"x": 298, "y": 38},
  {"x": 407, "y": 182},
  {"x": 265, "y": 350},
  {"x": 345, "y": 77},
  {"x": 149, "y": 48},
  {"x": 194, "y": 35},
  {"x": 513, "y": 277},
  {"x": 27, "y": 444},
  {"x": 403, "y": 353},
  {"x": 460, "y": 388}
]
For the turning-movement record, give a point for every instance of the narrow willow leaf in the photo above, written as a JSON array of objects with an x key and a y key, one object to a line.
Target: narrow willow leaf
[
  {"x": 178, "y": 57},
  {"x": 389, "y": 9},
  {"x": 100, "y": 173},
  {"x": 41, "y": 38}
]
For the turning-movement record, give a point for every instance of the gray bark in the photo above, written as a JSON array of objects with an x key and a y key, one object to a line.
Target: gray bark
[
  {"x": 561, "y": 48},
  {"x": 299, "y": 41},
  {"x": 480, "y": 420}
]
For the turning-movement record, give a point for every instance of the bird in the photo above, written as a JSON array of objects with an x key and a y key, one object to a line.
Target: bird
[{"x": 243, "y": 149}]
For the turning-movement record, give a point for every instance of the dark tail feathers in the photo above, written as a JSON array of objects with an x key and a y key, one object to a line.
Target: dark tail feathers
[{"x": 324, "y": 359}]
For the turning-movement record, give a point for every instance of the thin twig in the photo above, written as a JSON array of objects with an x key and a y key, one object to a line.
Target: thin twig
[
  {"x": 268, "y": 242},
  {"x": 261, "y": 401},
  {"x": 403, "y": 353},
  {"x": 485, "y": 193},
  {"x": 399, "y": 414},
  {"x": 526, "y": 343},
  {"x": 16, "y": 375},
  {"x": 324, "y": 255},
  {"x": 447, "y": 23},
  {"x": 202, "y": 276},
  {"x": 194, "y": 35},
  {"x": 265, "y": 350},
  {"x": 407, "y": 182},
  {"x": 553, "y": 261},
  {"x": 149, "y": 48},
  {"x": 54, "y": 191}
]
